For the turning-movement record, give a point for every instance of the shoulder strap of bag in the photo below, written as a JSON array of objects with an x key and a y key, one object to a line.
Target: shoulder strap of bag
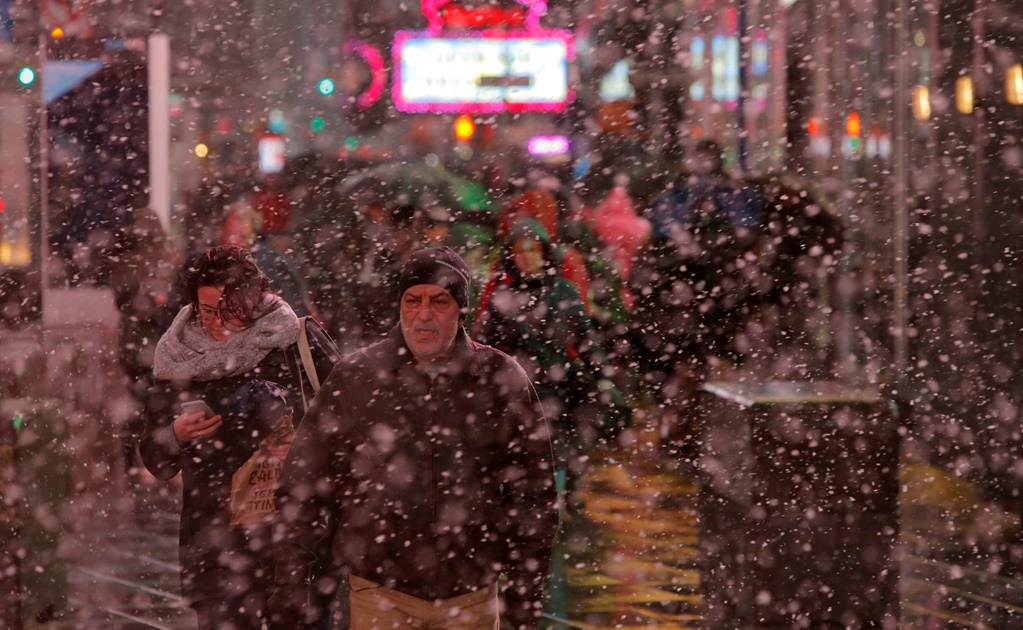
[{"x": 307, "y": 356}]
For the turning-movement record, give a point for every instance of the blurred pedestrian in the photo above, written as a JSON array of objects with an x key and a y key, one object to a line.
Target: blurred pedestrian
[
  {"x": 234, "y": 347},
  {"x": 543, "y": 207},
  {"x": 140, "y": 280},
  {"x": 621, "y": 232},
  {"x": 741, "y": 203},
  {"x": 395, "y": 233},
  {"x": 272, "y": 204},
  {"x": 693, "y": 292},
  {"x": 537, "y": 316},
  {"x": 421, "y": 475}
]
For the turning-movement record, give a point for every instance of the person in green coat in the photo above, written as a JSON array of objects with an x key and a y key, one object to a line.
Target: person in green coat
[{"x": 537, "y": 316}]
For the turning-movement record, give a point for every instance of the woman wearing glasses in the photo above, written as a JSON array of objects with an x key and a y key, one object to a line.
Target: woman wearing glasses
[{"x": 233, "y": 346}]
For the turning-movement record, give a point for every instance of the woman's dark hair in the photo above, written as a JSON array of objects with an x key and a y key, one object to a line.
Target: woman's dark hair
[{"x": 233, "y": 268}]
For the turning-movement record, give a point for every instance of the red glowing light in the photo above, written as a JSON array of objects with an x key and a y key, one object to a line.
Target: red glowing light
[
  {"x": 853, "y": 127},
  {"x": 535, "y": 9},
  {"x": 814, "y": 126}
]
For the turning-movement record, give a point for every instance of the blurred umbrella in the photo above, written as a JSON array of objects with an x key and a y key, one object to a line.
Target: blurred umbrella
[{"x": 419, "y": 185}]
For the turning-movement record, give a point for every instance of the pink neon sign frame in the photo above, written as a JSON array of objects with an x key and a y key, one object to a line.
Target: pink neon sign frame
[
  {"x": 478, "y": 107},
  {"x": 535, "y": 9},
  {"x": 378, "y": 73}
]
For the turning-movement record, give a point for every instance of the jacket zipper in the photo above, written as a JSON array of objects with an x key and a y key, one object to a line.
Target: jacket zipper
[
  {"x": 433, "y": 450},
  {"x": 432, "y": 437}
]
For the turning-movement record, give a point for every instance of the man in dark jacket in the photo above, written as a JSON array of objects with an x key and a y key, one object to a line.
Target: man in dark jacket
[{"x": 422, "y": 473}]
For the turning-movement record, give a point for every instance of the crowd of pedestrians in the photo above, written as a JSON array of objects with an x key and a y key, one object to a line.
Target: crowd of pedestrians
[{"x": 453, "y": 401}]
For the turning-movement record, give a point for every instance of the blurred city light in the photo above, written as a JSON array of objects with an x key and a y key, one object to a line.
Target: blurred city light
[
  {"x": 201, "y": 150},
  {"x": 964, "y": 95},
  {"x": 277, "y": 123},
  {"x": 813, "y": 127},
  {"x": 464, "y": 128},
  {"x": 616, "y": 86},
  {"x": 922, "y": 103},
  {"x": 272, "y": 150},
  {"x": 325, "y": 86},
  {"x": 1014, "y": 84},
  {"x": 697, "y": 53},
  {"x": 547, "y": 145},
  {"x": 15, "y": 254},
  {"x": 853, "y": 126},
  {"x": 26, "y": 75}
]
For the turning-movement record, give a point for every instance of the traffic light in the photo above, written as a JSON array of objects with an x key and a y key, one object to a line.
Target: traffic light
[
  {"x": 26, "y": 75},
  {"x": 853, "y": 127},
  {"x": 813, "y": 127}
]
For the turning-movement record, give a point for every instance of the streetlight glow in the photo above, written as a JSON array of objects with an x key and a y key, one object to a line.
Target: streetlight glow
[
  {"x": 921, "y": 103},
  {"x": 1014, "y": 84},
  {"x": 964, "y": 95}
]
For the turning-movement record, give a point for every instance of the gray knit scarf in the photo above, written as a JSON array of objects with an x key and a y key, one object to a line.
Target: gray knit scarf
[{"x": 187, "y": 352}]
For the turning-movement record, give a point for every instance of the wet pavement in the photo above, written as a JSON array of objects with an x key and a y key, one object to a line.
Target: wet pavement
[
  {"x": 122, "y": 563},
  {"x": 627, "y": 555}
]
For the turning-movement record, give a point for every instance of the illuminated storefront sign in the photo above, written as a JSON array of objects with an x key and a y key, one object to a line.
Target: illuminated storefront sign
[
  {"x": 486, "y": 71},
  {"x": 548, "y": 145},
  {"x": 496, "y": 60}
]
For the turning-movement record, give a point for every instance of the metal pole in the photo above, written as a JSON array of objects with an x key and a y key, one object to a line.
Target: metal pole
[
  {"x": 901, "y": 186},
  {"x": 744, "y": 69},
  {"x": 979, "y": 149},
  {"x": 44, "y": 179},
  {"x": 159, "y": 127},
  {"x": 778, "y": 34},
  {"x": 10, "y": 569}
]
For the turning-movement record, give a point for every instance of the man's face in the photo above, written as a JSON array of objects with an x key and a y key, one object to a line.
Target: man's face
[{"x": 430, "y": 318}]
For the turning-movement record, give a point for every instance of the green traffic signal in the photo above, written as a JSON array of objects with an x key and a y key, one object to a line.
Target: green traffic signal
[
  {"x": 326, "y": 86},
  {"x": 26, "y": 75}
]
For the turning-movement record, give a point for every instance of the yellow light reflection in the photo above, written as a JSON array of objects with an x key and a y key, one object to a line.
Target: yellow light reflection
[{"x": 201, "y": 150}]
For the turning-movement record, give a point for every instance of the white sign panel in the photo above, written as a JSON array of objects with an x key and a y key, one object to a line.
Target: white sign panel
[{"x": 481, "y": 73}]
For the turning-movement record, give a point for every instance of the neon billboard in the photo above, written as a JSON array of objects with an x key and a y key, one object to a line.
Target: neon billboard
[{"x": 485, "y": 70}]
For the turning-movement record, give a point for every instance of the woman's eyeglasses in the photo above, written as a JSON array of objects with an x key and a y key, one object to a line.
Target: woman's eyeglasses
[{"x": 230, "y": 318}]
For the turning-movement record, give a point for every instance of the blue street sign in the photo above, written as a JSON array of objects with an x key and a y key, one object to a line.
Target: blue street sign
[{"x": 62, "y": 76}]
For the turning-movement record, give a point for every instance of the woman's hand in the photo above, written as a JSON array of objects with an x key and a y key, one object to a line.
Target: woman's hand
[{"x": 190, "y": 427}]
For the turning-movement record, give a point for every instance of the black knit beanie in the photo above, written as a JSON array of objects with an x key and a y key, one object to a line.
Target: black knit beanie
[{"x": 441, "y": 266}]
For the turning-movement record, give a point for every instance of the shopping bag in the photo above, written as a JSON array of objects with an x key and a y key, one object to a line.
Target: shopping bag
[{"x": 254, "y": 484}]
